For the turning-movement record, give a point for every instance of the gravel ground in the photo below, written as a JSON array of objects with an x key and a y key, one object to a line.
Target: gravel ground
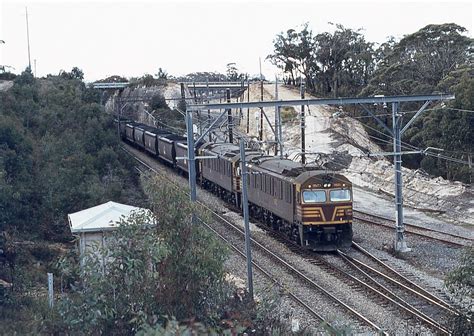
[
  {"x": 333, "y": 314},
  {"x": 386, "y": 317},
  {"x": 383, "y": 205},
  {"x": 427, "y": 264},
  {"x": 431, "y": 259}
]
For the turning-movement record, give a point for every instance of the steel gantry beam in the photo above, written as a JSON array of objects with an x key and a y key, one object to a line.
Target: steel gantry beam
[
  {"x": 396, "y": 132},
  {"x": 320, "y": 101}
]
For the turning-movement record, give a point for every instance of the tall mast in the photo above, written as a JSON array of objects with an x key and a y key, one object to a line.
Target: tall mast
[{"x": 28, "y": 38}]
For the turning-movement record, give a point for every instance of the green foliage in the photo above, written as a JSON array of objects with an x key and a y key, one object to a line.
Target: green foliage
[
  {"x": 113, "y": 79},
  {"x": 116, "y": 292},
  {"x": 193, "y": 268},
  {"x": 75, "y": 73},
  {"x": 162, "y": 74},
  {"x": 203, "y": 76},
  {"x": 7, "y": 76},
  {"x": 460, "y": 282},
  {"x": 158, "y": 102},
  {"x": 148, "y": 80},
  {"x": 419, "y": 61},
  {"x": 148, "y": 269},
  {"x": 288, "y": 113},
  {"x": 339, "y": 63},
  {"x": 58, "y": 154},
  {"x": 435, "y": 58},
  {"x": 233, "y": 73}
]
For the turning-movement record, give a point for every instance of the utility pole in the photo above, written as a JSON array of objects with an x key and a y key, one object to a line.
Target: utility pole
[
  {"x": 229, "y": 118},
  {"x": 245, "y": 208},
  {"x": 28, "y": 37},
  {"x": 198, "y": 112},
  {"x": 183, "y": 96},
  {"x": 208, "y": 111},
  {"x": 260, "y": 134},
  {"x": 241, "y": 116},
  {"x": 248, "y": 108},
  {"x": 400, "y": 244},
  {"x": 303, "y": 145},
  {"x": 35, "y": 67},
  {"x": 191, "y": 159},
  {"x": 278, "y": 133}
]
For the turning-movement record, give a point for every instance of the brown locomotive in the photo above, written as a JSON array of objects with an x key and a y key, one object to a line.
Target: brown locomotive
[{"x": 312, "y": 207}]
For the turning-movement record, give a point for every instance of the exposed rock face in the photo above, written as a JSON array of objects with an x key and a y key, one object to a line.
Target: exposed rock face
[
  {"x": 136, "y": 101},
  {"x": 5, "y": 85}
]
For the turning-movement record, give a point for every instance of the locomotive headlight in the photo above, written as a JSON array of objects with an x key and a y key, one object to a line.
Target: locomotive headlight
[{"x": 348, "y": 212}]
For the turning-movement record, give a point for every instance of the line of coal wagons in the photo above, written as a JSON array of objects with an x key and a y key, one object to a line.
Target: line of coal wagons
[{"x": 309, "y": 205}]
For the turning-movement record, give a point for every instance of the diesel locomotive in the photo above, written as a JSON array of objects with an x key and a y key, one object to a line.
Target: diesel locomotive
[{"x": 309, "y": 205}]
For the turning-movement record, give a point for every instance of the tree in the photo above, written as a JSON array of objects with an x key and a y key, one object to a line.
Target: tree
[
  {"x": 58, "y": 154},
  {"x": 193, "y": 268},
  {"x": 435, "y": 58},
  {"x": 419, "y": 61},
  {"x": 155, "y": 265},
  {"x": 232, "y": 72},
  {"x": 285, "y": 55},
  {"x": 162, "y": 74},
  {"x": 75, "y": 73},
  {"x": 116, "y": 289},
  {"x": 158, "y": 101},
  {"x": 338, "y": 63},
  {"x": 345, "y": 60}
]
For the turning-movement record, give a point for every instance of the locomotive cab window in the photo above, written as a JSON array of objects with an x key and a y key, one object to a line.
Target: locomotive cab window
[
  {"x": 314, "y": 196},
  {"x": 340, "y": 195}
]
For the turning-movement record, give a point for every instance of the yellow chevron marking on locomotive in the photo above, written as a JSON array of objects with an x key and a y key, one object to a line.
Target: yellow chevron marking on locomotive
[
  {"x": 311, "y": 212},
  {"x": 341, "y": 211}
]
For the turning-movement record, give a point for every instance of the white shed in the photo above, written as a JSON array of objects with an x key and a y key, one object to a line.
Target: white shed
[{"x": 93, "y": 225}]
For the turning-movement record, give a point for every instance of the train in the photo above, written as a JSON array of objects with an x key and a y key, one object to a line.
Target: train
[{"x": 308, "y": 205}]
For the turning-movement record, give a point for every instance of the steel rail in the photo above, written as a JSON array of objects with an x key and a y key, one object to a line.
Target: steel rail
[
  {"x": 330, "y": 328},
  {"x": 420, "y": 291},
  {"x": 417, "y": 226},
  {"x": 397, "y": 301},
  {"x": 299, "y": 273},
  {"x": 424, "y": 235},
  {"x": 280, "y": 260}
]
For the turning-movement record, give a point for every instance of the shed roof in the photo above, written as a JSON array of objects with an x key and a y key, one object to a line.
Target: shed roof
[{"x": 99, "y": 218}]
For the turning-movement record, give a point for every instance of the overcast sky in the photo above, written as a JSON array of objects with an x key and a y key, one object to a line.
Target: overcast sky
[{"x": 131, "y": 38}]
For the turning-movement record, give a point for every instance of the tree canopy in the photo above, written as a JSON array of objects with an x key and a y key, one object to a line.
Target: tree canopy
[
  {"x": 437, "y": 58},
  {"x": 58, "y": 154}
]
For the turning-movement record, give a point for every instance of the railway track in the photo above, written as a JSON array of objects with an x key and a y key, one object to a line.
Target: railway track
[
  {"x": 391, "y": 287},
  {"x": 310, "y": 307},
  {"x": 445, "y": 237},
  {"x": 408, "y": 295}
]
